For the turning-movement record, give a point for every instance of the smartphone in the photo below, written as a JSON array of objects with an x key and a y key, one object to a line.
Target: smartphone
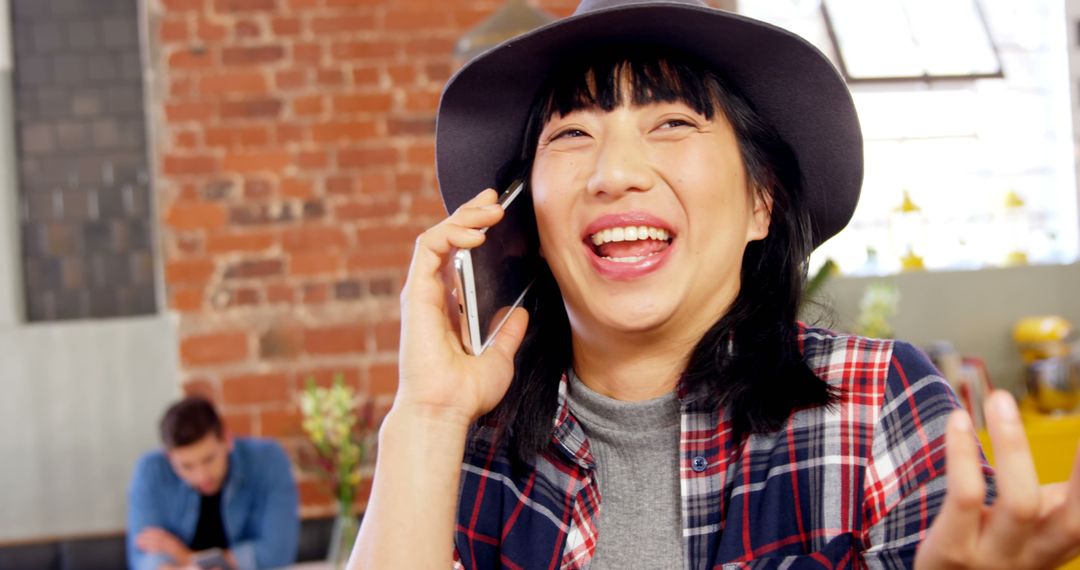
[
  {"x": 212, "y": 559},
  {"x": 492, "y": 279}
]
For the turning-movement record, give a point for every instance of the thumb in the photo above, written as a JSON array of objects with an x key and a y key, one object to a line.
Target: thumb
[{"x": 509, "y": 337}]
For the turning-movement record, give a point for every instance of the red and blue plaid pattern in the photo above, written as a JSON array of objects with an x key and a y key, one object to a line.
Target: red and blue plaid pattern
[{"x": 854, "y": 486}]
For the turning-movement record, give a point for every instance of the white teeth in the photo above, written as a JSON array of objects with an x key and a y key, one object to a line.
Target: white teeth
[{"x": 629, "y": 233}]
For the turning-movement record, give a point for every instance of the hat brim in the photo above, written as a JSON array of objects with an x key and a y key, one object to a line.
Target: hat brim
[{"x": 793, "y": 86}]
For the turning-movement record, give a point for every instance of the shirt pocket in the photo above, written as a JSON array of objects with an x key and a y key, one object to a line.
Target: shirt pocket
[{"x": 837, "y": 553}]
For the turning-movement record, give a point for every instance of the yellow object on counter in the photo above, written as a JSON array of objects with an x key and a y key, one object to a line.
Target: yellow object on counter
[
  {"x": 1042, "y": 337},
  {"x": 1053, "y": 441}
]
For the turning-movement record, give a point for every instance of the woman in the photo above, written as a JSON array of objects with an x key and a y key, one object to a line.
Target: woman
[{"x": 657, "y": 405}]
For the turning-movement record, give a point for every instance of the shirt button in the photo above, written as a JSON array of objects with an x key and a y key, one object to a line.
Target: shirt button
[{"x": 700, "y": 464}]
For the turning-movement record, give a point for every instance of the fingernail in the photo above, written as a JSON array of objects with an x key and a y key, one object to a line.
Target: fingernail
[
  {"x": 1005, "y": 407},
  {"x": 961, "y": 422},
  {"x": 475, "y": 231}
]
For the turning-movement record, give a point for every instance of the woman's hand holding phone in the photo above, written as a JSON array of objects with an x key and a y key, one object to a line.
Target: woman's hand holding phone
[{"x": 437, "y": 376}]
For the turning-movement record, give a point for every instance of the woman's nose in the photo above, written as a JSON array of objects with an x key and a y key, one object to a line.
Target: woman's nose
[{"x": 621, "y": 166}]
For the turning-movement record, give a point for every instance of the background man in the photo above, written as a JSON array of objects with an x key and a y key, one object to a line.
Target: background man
[{"x": 206, "y": 490}]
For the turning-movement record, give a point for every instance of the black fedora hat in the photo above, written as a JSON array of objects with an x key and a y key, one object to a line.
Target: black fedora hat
[{"x": 790, "y": 83}]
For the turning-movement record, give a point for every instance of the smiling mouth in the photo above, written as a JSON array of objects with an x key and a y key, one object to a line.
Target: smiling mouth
[{"x": 630, "y": 244}]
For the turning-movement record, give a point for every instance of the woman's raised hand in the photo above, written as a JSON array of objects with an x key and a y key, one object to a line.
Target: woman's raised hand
[
  {"x": 437, "y": 376},
  {"x": 1028, "y": 526}
]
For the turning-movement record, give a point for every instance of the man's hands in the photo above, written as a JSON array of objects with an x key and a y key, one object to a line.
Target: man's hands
[
  {"x": 157, "y": 540},
  {"x": 1028, "y": 526}
]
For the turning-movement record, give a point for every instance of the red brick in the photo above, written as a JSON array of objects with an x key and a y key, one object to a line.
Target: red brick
[
  {"x": 367, "y": 208},
  {"x": 313, "y": 160},
  {"x": 382, "y": 379},
  {"x": 343, "y": 24},
  {"x": 255, "y": 269},
  {"x": 252, "y": 82},
  {"x": 340, "y": 185},
  {"x": 365, "y": 76},
  {"x": 365, "y": 103},
  {"x": 297, "y": 188},
  {"x": 307, "y": 54},
  {"x": 429, "y": 46},
  {"x": 372, "y": 49},
  {"x": 237, "y": 242},
  {"x": 187, "y": 243},
  {"x": 335, "y": 339},
  {"x": 353, "y": 3},
  {"x": 304, "y": 4},
  {"x": 267, "y": 161},
  {"x": 185, "y": 139},
  {"x": 375, "y": 182},
  {"x": 181, "y": 87},
  {"x": 280, "y": 293},
  {"x": 239, "y": 423},
  {"x": 285, "y": 133},
  {"x": 280, "y": 341},
  {"x": 230, "y": 137},
  {"x": 379, "y": 156},
  {"x": 258, "y": 188},
  {"x": 209, "y": 31},
  {"x": 314, "y": 238},
  {"x": 378, "y": 259},
  {"x": 265, "y": 388},
  {"x": 438, "y": 72},
  {"x": 330, "y": 77},
  {"x": 414, "y": 126},
  {"x": 173, "y": 30},
  {"x": 416, "y": 19},
  {"x": 183, "y": 112},
  {"x": 387, "y": 335},
  {"x": 409, "y": 182},
  {"x": 291, "y": 79},
  {"x": 280, "y": 422},
  {"x": 181, "y": 165},
  {"x": 243, "y": 297},
  {"x": 187, "y": 59},
  {"x": 430, "y": 206},
  {"x": 402, "y": 74},
  {"x": 190, "y": 216},
  {"x": 315, "y": 492},
  {"x": 183, "y": 5},
  {"x": 466, "y": 18},
  {"x": 286, "y": 26},
  {"x": 245, "y": 5},
  {"x": 247, "y": 29},
  {"x": 251, "y": 109},
  {"x": 189, "y": 271},
  {"x": 421, "y": 153},
  {"x": 256, "y": 55},
  {"x": 383, "y": 235},
  {"x": 214, "y": 348},
  {"x": 314, "y": 263},
  {"x": 317, "y": 293},
  {"x": 343, "y": 131},
  {"x": 421, "y": 101},
  {"x": 186, "y": 299},
  {"x": 310, "y": 105}
]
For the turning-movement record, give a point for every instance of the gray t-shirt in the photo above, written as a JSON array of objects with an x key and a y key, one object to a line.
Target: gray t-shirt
[{"x": 636, "y": 449}]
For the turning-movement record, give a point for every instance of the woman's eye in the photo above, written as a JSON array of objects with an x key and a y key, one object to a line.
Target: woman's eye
[
  {"x": 569, "y": 133},
  {"x": 672, "y": 123}
]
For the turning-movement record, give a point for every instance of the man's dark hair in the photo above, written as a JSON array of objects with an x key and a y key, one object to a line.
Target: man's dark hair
[
  {"x": 188, "y": 421},
  {"x": 749, "y": 361}
]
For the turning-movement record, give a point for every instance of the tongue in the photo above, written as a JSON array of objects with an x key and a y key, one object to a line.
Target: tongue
[{"x": 638, "y": 248}]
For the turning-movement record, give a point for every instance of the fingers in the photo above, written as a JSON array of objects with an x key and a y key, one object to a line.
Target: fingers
[
  {"x": 509, "y": 337},
  {"x": 461, "y": 230},
  {"x": 1017, "y": 505},
  {"x": 955, "y": 532},
  {"x": 1063, "y": 523}
]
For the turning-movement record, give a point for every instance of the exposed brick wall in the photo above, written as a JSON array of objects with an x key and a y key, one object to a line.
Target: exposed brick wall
[{"x": 294, "y": 165}]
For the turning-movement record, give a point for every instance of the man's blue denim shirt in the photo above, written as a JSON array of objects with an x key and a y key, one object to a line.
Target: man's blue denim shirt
[{"x": 259, "y": 506}]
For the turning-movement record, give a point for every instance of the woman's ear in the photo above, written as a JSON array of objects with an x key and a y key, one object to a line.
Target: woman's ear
[{"x": 760, "y": 216}]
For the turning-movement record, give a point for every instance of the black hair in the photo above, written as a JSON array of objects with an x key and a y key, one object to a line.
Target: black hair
[
  {"x": 188, "y": 421},
  {"x": 749, "y": 360}
]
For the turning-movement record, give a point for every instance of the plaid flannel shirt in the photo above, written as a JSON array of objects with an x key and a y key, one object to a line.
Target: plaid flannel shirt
[{"x": 855, "y": 486}]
